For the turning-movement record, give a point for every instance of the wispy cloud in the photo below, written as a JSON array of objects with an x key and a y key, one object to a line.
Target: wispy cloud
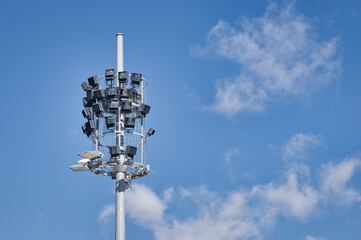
[
  {"x": 335, "y": 178},
  {"x": 229, "y": 162},
  {"x": 298, "y": 146},
  {"x": 106, "y": 219},
  {"x": 309, "y": 237},
  {"x": 40, "y": 218},
  {"x": 280, "y": 55}
]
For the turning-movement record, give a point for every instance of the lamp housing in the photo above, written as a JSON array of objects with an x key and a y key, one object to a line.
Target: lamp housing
[
  {"x": 129, "y": 122},
  {"x": 114, "y": 151},
  {"x": 87, "y": 113},
  {"x": 86, "y": 87},
  {"x": 94, "y": 81},
  {"x": 144, "y": 109},
  {"x": 87, "y": 103},
  {"x": 123, "y": 77},
  {"x": 135, "y": 78},
  {"x": 99, "y": 94},
  {"x": 110, "y": 121},
  {"x": 124, "y": 93},
  {"x": 98, "y": 108},
  {"x": 111, "y": 92},
  {"x": 109, "y": 74},
  {"x": 126, "y": 107},
  {"x": 131, "y": 151},
  {"x": 113, "y": 105},
  {"x": 151, "y": 132}
]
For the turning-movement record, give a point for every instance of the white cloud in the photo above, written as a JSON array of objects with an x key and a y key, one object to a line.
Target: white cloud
[
  {"x": 231, "y": 153},
  {"x": 309, "y": 237},
  {"x": 106, "y": 219},
  {"x": 291, "y": 198},
  {"x": 279, "y": 55},
  {"x": 335, "y": 178},
  {"x": 240, "y": 214},
  {"x": 106, "y": 213},
  {"x": 298, "y": 145},
  {"x": 144, "y": 206}
]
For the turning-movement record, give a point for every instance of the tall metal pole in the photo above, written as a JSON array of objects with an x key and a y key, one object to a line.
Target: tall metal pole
[{"x": 120, "y": 170}]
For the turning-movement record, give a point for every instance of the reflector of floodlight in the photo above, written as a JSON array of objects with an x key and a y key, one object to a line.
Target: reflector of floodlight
[
  {"x": 124, "y": 93},
  {"x": 84, "y": 161},
  {"x": 123, "y": 77},
  {"x": 144, "y": 109},
  {"x": 151, "y": 131},
  {"x": 78, "y": 168},
  {"x": 86, "y": 87},
  {"x": 136, "y": 78},
  {"x": 126, "y": 107},
  {"x": 94, "y": 81},
  {"x": 134, "y": 95},
  {"x": 131, "y": 151},
  {"x": 99, "y": 94},
  {"x": 91, "y": 155},
  {"x": 111, "y": 92},
  {"x": 129, "y": 122},
  {"x": 109, "y": 74},
  {"x": 87, "y": 113},
  {"x": 114, "y": 151},
  {"x": 113, "y": 106},
  {"x": 110, "y": 121}
]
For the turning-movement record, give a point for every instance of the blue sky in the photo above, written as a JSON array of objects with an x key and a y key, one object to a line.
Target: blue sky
[{"x": 256, "y": 107}]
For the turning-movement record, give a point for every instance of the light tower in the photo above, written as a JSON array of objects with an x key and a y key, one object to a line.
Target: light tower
[{"x": 115, "y": 123}]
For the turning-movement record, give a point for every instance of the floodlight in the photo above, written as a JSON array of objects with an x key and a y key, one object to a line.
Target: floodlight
[
  {"x": 99, "y": 94},
  {"x": 111, "y": 92},
  {"x": 124, "y": 93},
  {"x": 89, "y": 127},
  {"x": 123, "y": 77},
  {"x": 130, "y": 151},
  {"x": 113, "y": 106},
  {"x": 86, "y": 87},
  {"x": 114, "y": 151},
  {"x": 81, "y": 165},
  {"x": 94, "y": 81},
  {"x": 134, "y": 94},
  {"x": 98, "y": 108},
  {"x": 87, "y": 113},
  {"x": 90, "y": 96},
  {"x": 77, "y": 167},
  {"x": 136, "y": 78},
  {"x": 109, "y": 74},
  {"x": 91, "y": 155},
  {"x": 129, "y": 122},
  {"x": 144, "y": 109},
  {"x": 151, "y": 131},
  {"x": 87, "y": 103},
  {"x": 126, "y": 107},
  {"x": 110, "y": 121}
]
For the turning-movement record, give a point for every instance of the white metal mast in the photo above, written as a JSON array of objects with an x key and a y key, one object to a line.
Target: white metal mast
[{"x": 120, "y": 168}]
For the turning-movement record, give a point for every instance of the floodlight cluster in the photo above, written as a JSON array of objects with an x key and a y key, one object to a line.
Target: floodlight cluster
[{"x": 118, "y": 107}]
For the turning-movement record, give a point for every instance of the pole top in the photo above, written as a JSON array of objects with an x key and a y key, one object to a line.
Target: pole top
[{"x": 119, "y": 34}]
